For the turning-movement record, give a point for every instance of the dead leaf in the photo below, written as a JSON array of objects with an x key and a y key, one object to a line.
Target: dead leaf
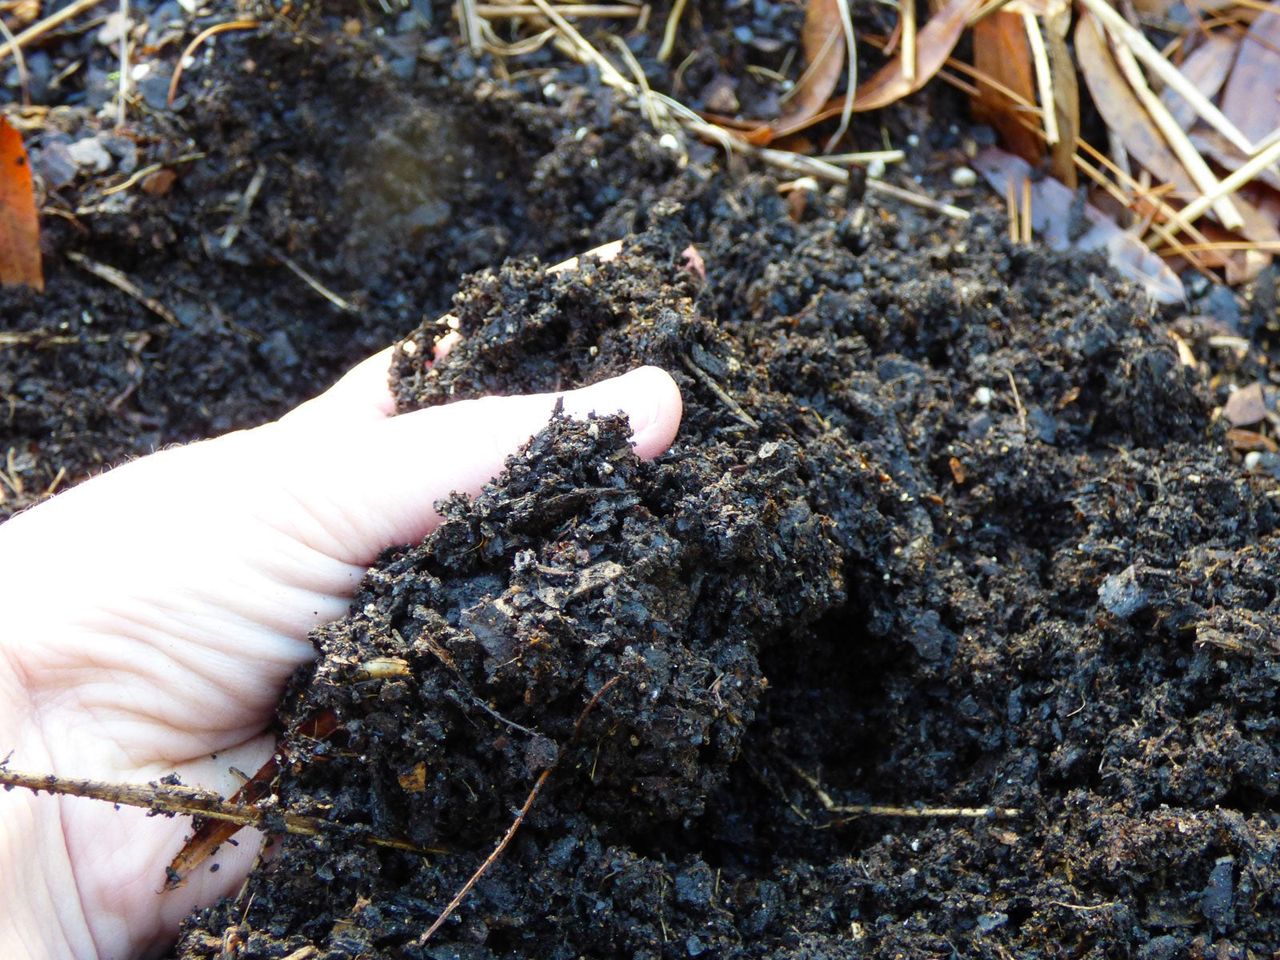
[
  {"x": 1251, "y": 97},
  {"x": 19, "y": 222},
  {"x": 890, "y": 83},
  {"x": 1207, "y": 67},
  {"x": 934, "y": 44},
  {"x": 1066, "y": 94},
  {"x": 1001, "y": 53},
  {"x": 824, "y": 52},
  {"x": 1121, "y": 110},
  {"x": 1055, "y": 211}
]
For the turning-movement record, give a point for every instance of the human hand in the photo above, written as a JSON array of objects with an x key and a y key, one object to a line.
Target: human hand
[{"x": 152, "y": 615}]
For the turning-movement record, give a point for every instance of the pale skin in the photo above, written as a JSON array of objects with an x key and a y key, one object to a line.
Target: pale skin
[{"x": 152, "y": 615}]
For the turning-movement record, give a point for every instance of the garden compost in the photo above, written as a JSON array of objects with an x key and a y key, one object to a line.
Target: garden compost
[{"x": 951, "y": 522}]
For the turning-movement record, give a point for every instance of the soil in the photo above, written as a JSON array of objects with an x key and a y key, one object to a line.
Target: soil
[{"x": 950, "y": 522}]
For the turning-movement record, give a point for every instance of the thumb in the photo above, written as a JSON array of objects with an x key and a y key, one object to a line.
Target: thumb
[{"x": 380, "y": 480}]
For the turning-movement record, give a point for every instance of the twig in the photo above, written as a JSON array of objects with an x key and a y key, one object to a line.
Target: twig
[
  {"x": 670, "y": 30},
  {"x": 907, "y": 17},
  {"x": 244, "y": 206},
  {"x": 1011, "y": 204},
  {"x": 344, "y": 305},
  {"x": 194, "y": 45},
  {"x": 885, "y": 810},
  {"x": 1044, "y": 79},
  {"x": 917, "y": 199},
  {"x": 1027, "y": 222},
  {"x": 179, "y": 800},
  {"x": 40, "y": 28},
  {"x": 523, "y": 812},
  {"x": 139, "y": 175},
  {"x": 1017, "y": 399},
  {"x": 24, "y": 80},
  {"x": 1182, "y": 148},
  {"x": 865, "y": 156},
  {"x": 122, "y": 95},
  {"x": 851, "y": 87},
  {"x": 709, "y": 382},
  {"x": 122, "y": 283},
  {"x": 1143, "y": 49},
  {"x": 502, "y": 11},
  {"x": 1230, "y": 184},
  {"x": 472, "y": 25}
]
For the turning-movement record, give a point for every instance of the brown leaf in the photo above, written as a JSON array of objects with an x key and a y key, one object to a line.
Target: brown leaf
[
  {"x": 824, "y": 52},
  {"x": 1055, "y": 212},
  {"x": 934, "y": 45},
  {"x": 1001, "y": 53},
  {"x": 19, "y": 222},
  {"x": 1207, "y": 67},
  {"x": 1066, "y": 95},
  {"x": 1121, "y": 110},
  {"x": 1251, "y": 98}
]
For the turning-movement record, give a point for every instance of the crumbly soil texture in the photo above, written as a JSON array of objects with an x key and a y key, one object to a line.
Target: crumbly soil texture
[{"x": 947, "y": 628}]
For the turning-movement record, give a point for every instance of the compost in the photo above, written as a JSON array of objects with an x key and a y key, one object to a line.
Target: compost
[{"x": 951, "y": 522}]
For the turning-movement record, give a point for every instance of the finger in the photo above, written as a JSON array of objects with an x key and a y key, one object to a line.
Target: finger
[
  {"x": 382, "y": 488},
  {"x": 363, "y": 393}
]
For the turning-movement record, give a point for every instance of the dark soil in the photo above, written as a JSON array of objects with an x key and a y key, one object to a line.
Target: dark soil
[{"x": 949, "y": 523}]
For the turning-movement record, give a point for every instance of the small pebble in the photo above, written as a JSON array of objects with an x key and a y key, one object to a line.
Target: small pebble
[
  {"x": 963, "y": 177},
  {"x": 90, "y": 154}
]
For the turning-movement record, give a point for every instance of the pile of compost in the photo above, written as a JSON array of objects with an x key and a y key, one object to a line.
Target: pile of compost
[
  {"x": 946, "y": 628},
  {"x": 947, "y": 525}
]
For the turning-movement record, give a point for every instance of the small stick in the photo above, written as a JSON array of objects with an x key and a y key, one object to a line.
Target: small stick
[
  {"x": 39, "y": 29},
  {"x": 1142, "y": 48},
  {"x": 1230, "y": 184},
  {"x": 670, "y": 30},
  {"x": 344, "y": 305},
  {"x": 866, "y": 156},
  {"x": 1044, "y": 79},
  {"x": 140, "y": 175},
  {"x": 907, "y": 17},
  {"x": 24, "y": 79},
  {"x": 244, "y": 206},
  {"x": 189, "y": 801},
  {"x": 917, "y": 199},
  {"x": 507, "y": 837},
  {"x": 1173, "y": 134},
  {"x": 1017, "y": 403},
  {"x": 709, "y": 382},
  {"x": 501, "y": 11},
  {"x": 1026, "y": 211},
  {"x": 884, "y": 810},
  {"x": 194, "y": 45},
  {"x": 123, "y": 93},
  {"x": 122, "y": 283},
  {"x": 1011, "y": 202},
  {"x": 851, "y": 55}
]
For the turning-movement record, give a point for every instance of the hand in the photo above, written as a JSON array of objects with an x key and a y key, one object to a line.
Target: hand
[{"x": 152, "y": 615}]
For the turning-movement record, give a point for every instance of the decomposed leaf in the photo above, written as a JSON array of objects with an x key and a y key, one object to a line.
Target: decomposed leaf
[
  {"x": 824, "y": 52},
  {"x": 1001, "y": 53},
  {"x": 1250, "y": 97},
  {"x": 1120, "y": 108},
  {"x": 19, "y": 222}
]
